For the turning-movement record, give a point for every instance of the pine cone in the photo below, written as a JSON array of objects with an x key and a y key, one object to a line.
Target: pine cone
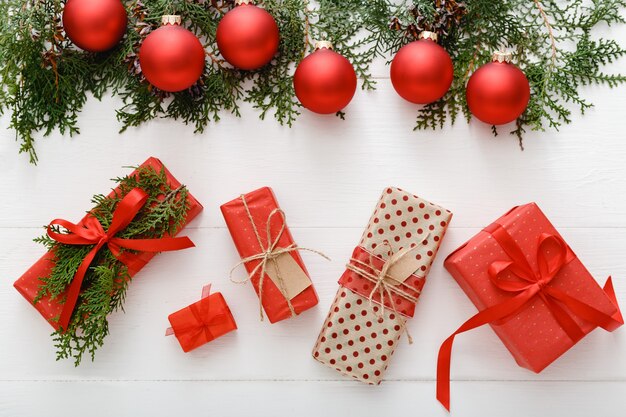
[{"x": 448, "y": 14}]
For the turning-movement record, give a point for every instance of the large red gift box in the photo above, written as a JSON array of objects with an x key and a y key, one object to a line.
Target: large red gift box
[
  {"x": 256, "y": 224},
  {"x": 28, "y": 284},
  {"x": 531, "y": 288},
  {"x": 202, "y": 321}
]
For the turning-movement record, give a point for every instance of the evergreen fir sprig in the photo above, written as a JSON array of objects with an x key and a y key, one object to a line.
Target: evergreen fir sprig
[
  {"x": 105, "y": 283},
  {"x": 540, "y": 34},
  {"x": 45, "y": 80}
]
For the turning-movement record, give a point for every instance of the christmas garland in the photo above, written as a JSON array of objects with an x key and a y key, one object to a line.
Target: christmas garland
[{"x": 46, "y": 79}]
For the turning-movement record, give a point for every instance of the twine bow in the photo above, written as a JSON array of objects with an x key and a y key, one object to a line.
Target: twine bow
[
  {"x": 91, "y": 232},
  {"x": 269, "y": 253},
  {"x": 552, "y": 255},
  {"x": 385, "y": 284}
]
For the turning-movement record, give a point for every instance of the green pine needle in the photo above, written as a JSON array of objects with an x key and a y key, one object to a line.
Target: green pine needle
[
  {"x": 46, "y": 80},
  {"x": 105, "y": 283}
]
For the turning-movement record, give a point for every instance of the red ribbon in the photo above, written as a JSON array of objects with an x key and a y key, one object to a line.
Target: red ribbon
[
  {"x": 91, "y": 232},
  {"x": 552, "y": 255},
  {"x": 203, "y": 320},
  {"x": 350, "y": 279}
]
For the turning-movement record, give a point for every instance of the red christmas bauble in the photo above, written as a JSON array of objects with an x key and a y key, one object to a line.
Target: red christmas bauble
[
  {"x": 171, "y": 57},
  {"x": 94, "y": 25},
  {"x": 498, "y": 92},
  {"x": 324, "y": 81},
  {"x": 247, "y": 37},
  {"x": 422, "y": 71}
]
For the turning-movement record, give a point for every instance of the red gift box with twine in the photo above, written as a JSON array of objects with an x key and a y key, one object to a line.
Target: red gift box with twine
[{"x": 270, "y": 255}]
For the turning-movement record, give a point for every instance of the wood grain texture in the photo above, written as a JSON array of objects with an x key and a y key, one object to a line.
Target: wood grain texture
[
  {"x": 281, "y": 398},
  {"x": 327, "y": 175},
  {"x": 328, "y": 172}
]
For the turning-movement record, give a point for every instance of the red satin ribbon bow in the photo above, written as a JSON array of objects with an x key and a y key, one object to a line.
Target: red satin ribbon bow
[
  {"x": 203, "y": 320},
  {"x": 552, "y": 255},
  {"x": 91, "y": 232}
]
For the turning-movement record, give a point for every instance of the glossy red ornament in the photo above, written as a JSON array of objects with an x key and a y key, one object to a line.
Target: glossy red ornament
[
  {"x": 171, "y": 57},
  {"x": 94, "y": 25},
  {"x": 422, "y": 71},
  {"x": 324, "y": 81},
  {"x": 498, "y": 92},
  {"x": 247, "y": 36}
]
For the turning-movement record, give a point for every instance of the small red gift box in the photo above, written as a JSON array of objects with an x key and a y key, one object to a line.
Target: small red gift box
[
  {"x": 28, "y": 284},
  {"x": 269, "y": 254},
  {"x": 202, "y": 321},
  {"x": 531, "y": 288}
]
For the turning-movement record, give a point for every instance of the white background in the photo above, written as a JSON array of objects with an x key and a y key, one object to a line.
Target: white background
[{"x": 327, "y": 175}]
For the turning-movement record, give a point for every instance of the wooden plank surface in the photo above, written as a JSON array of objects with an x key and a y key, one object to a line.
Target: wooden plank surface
[
  {"x": 278, "y": 398},
  {"x": 327, "y": 174}
]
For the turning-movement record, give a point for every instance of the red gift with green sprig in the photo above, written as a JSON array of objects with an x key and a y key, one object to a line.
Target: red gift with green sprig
[{"x": 85, "y": 274}]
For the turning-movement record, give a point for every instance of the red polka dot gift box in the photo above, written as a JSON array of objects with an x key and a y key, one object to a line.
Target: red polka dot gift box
[
  {"x": 382, "y": 282},
  {"x": 270, "y": 255},
  {"x": 531, "y": 288}
]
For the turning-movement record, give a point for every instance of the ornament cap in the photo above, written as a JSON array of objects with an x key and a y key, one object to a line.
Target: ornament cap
[
  {"x": 426, "y": 34},
  {"x": 170, "y": 19},
  {"x": 502, "y": 57},
  {"x": 323, "y": 44},
  {"x": 240, "y": 2}
]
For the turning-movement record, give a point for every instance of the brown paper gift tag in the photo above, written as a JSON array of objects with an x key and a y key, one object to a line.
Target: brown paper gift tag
[
  {"x": 295, "y": 280},
  {"x": 404, "y": 264}
]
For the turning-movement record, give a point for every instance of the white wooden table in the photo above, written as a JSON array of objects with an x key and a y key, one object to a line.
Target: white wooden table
[{"x": 327, "y": 174}]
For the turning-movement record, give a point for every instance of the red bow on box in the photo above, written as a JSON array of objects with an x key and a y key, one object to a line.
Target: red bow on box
[
  {"x": 201, "y": 321},
  {"x": 552, "y": 255},
  {"x": 91, "y": 232}
]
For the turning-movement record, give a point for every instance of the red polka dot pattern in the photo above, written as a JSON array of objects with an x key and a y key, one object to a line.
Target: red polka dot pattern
[
  {"x": 363, "y": 345},
  {"x": 400, "y": 220},
  {"x": 403, "y": 219},
  {"x": 360, "y": 285}
]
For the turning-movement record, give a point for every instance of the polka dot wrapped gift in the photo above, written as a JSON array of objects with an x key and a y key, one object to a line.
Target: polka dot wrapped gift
[
  {"x": 531, "y": 288},
  {"x": 381, "y": 285}
]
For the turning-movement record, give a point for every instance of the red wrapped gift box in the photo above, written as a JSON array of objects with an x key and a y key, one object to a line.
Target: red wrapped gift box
[
  {"x": 531, "y": 288},
  {"x": 202, "y": 321},
  {"x": 28, "y": 284},
  {"x": 256, "y": 224}
]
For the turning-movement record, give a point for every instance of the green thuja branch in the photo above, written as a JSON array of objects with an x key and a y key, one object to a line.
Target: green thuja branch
[
  {"x": 540, "y": 34},
  {"x": 272, "y": 90},
  {"x": 105, "y": 283},
  {"x": 45, "y": 80}
]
